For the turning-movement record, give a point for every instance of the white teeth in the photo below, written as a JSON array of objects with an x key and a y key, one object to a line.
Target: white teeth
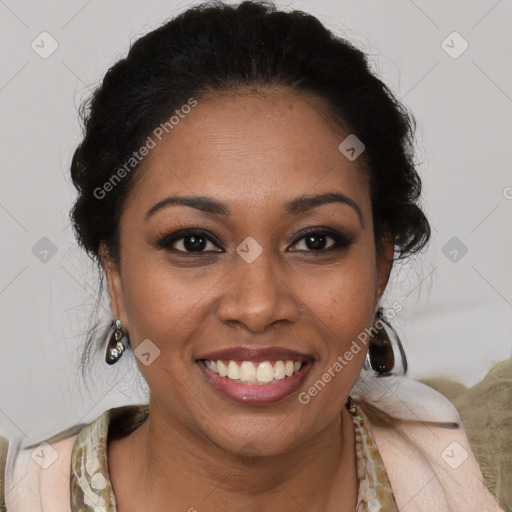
[
  {"x": 249, "y": 372},
  {"x": 222, "y": 369},
  {"x": 279, "y": 371},
  {"x": 233, "y": 371},
  {"x": 265, "y": 372}
]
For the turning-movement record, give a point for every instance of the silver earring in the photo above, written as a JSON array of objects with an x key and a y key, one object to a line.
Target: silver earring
[{"x": 115, "y": 346}]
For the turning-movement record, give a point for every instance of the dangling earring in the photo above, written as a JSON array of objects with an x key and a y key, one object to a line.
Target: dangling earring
[
  {"x": 115, "y": 346},
  {"x": 380, "y": 357}
]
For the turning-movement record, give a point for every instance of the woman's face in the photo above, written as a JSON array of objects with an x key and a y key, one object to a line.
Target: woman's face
[{"x": 252, "y": 278}]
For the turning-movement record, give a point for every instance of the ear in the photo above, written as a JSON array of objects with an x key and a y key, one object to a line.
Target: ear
[
  {"x": 115, "y": 291},
  {"x": 384, "y": 265}
]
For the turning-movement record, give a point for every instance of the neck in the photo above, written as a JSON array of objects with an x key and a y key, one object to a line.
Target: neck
[{"x": 175, "y": 466}]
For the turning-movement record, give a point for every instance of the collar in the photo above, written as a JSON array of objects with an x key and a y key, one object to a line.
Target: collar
[{"x": 91, "y": 488}]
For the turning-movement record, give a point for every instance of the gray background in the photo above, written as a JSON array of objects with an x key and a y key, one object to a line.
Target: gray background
[{"x": 457, "y": 317}]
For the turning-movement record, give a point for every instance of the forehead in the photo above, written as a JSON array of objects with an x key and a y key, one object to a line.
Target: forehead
[{"x": 251, "y": 149}]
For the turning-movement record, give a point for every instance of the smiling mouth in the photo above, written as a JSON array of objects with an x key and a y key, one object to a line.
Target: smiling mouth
[
  {"x": 256, "y": 375},
  {"x": 254, "y": 372}
]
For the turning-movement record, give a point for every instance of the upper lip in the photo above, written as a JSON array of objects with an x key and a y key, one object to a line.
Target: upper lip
[{"x": 247, "y": 353}]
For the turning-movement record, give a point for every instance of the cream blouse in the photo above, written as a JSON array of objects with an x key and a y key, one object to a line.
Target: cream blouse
[{"x": 91, "y": 490}]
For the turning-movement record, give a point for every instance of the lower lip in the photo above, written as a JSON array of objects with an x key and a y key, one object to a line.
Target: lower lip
[{"x": 256, "y": 394}]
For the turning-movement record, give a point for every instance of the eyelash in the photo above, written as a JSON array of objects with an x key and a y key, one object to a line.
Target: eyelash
[{"x": 341, "y": 241}]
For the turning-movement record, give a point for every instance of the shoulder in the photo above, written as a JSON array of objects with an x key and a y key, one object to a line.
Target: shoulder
[
  {"x": 486, "y": 416},
  {"x": 424, "y": 447},
  {"x": 36, "y": 478}
]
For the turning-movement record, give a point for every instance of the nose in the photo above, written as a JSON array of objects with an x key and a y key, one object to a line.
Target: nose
[{"x": 256, "y": 296}]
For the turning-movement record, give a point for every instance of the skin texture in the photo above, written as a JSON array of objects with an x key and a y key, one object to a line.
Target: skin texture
[{"x": 254, "y": 152}]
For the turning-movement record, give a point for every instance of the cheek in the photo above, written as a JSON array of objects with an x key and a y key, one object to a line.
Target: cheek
[
  {"x": 159, "y": 302},
  {"x": 351, "y": 299},
  {"x": 344, "y": 294},
  {"x": 343, "y": 303}
]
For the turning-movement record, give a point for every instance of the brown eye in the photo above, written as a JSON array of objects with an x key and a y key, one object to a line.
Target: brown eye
[
  {"x": 188, "y": 242},
  {"x": 318, "y": 241}
]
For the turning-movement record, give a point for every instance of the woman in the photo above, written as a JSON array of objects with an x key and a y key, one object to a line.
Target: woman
[{"x": 246, "y": 183}]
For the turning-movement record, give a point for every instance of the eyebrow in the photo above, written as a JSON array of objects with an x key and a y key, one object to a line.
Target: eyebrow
[{"x": 296, "y": 206}]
